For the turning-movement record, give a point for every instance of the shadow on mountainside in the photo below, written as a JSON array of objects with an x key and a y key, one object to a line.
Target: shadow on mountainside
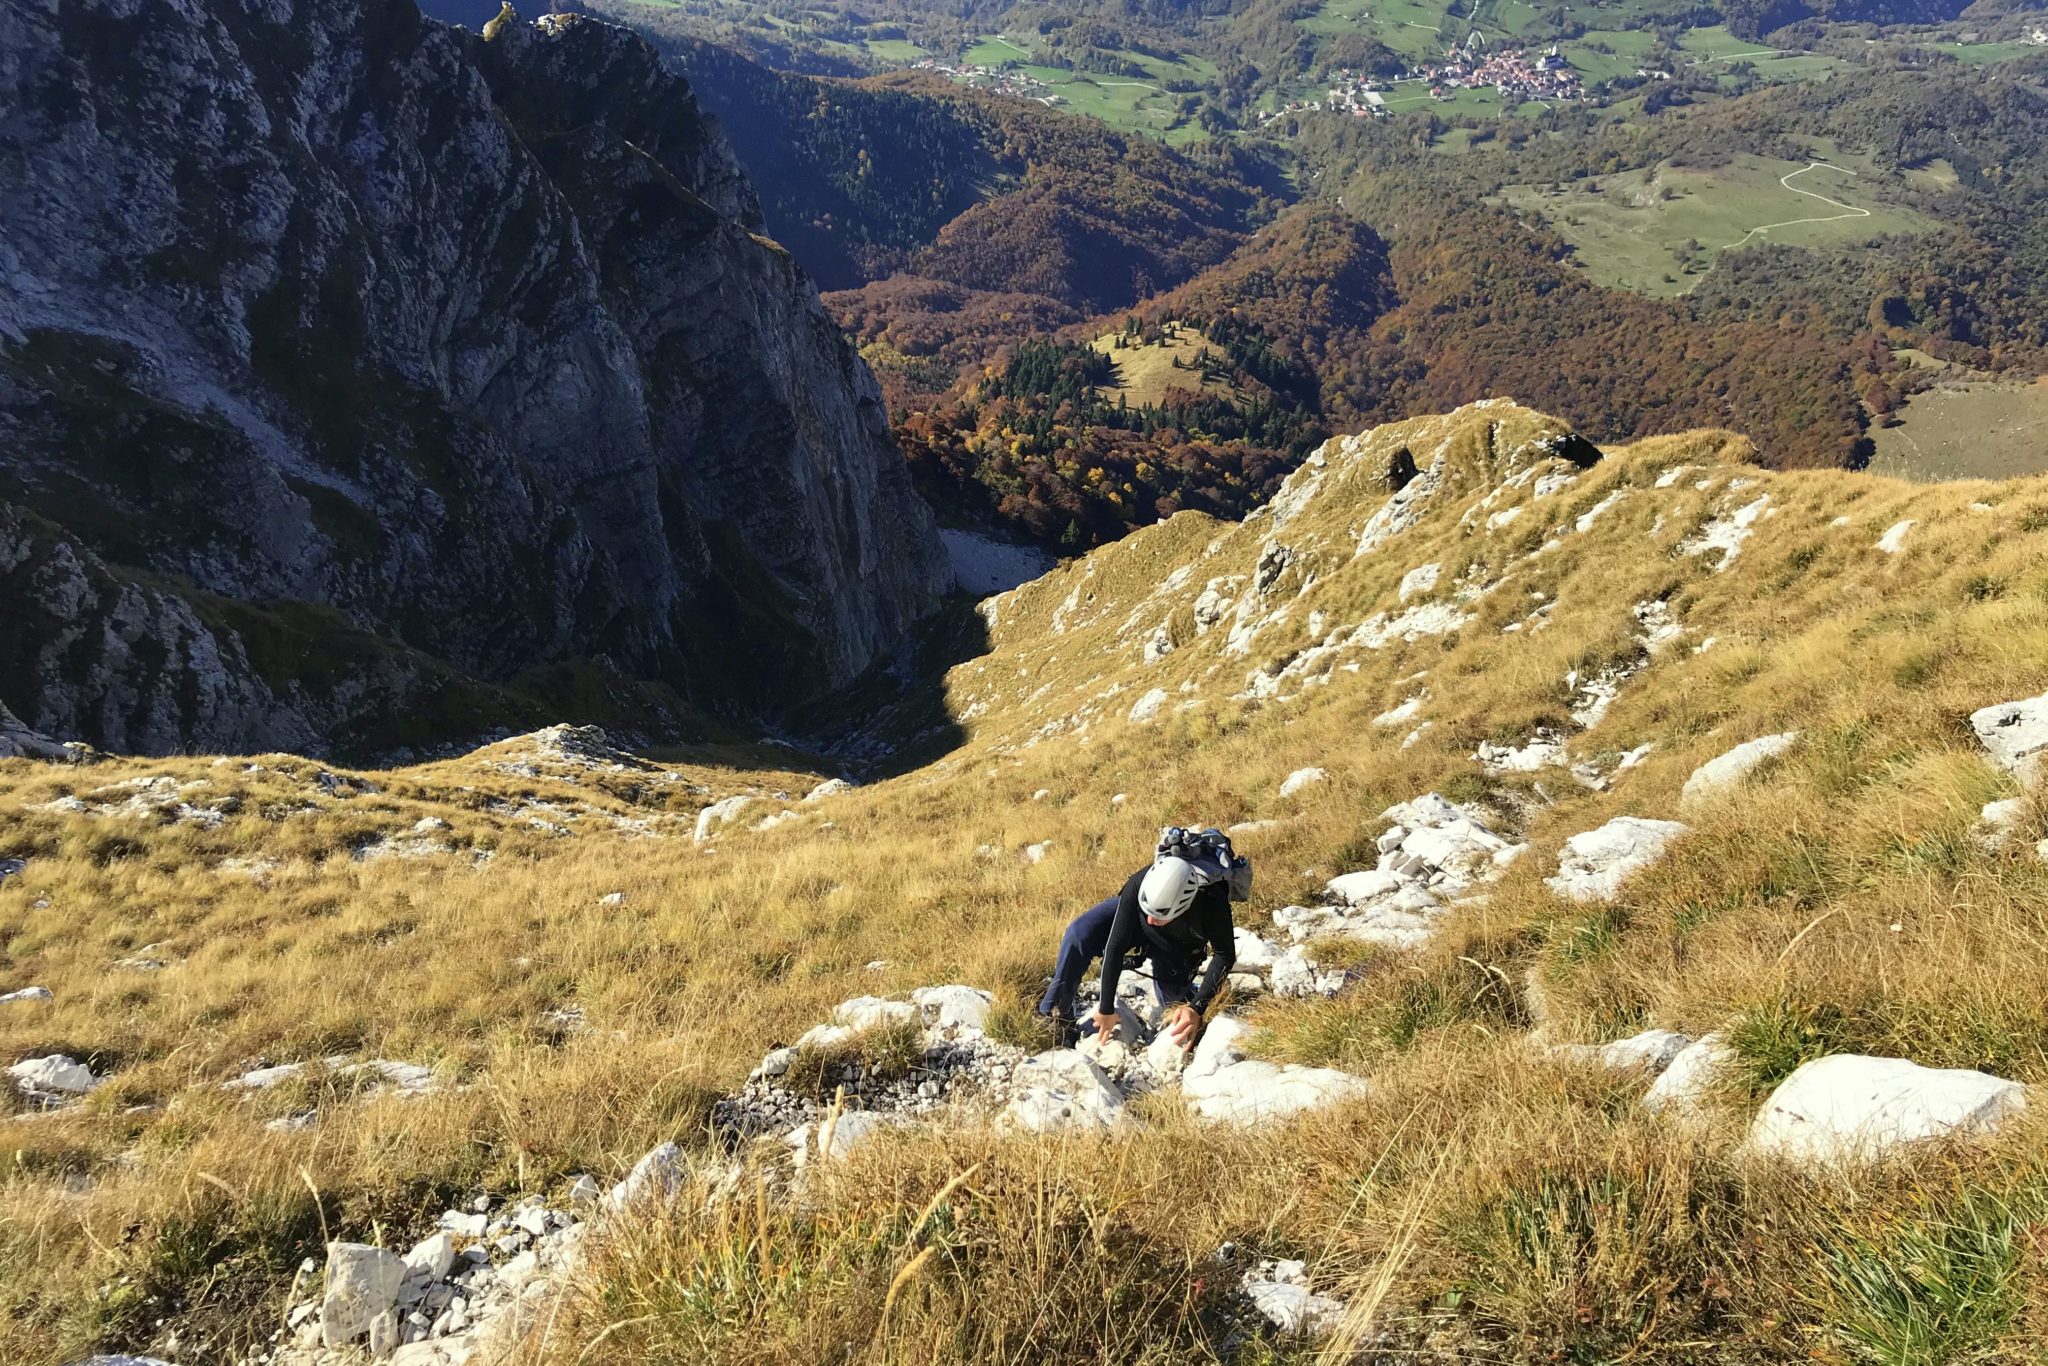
[{"x": 894, "y": 717}]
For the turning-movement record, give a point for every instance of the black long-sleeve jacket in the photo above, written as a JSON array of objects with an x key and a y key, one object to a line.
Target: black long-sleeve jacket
[{"x": 1175, "y": 947}]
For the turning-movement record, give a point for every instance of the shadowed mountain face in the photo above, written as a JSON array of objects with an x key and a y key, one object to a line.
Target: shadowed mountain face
[{"x": 346, "y": 357}]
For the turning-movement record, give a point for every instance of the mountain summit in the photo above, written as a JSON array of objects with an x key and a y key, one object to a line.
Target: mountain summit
[{"x": 352, "y": 364}]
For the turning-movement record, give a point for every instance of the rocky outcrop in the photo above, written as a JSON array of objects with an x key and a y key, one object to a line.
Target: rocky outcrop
[{"x": 338, "y": 346}]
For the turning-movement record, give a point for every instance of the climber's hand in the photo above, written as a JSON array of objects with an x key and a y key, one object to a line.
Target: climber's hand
[
  {"x": 1182, "y": 1024},
  {"x": 1105, "y": 1024}
]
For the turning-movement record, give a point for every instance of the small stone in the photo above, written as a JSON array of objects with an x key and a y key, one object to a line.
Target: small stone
[
  {"x": 361, "y": 1290},
  {"x": 25, "y": 995}
]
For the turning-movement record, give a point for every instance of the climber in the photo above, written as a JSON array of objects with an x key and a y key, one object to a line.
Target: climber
[{"x": 1168, "y": 913}]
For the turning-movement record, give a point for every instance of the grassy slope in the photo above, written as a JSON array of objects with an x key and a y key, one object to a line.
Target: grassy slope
[
  {"x": 1486, "y": 1201},
  {"x": 1634, "y": 230}
]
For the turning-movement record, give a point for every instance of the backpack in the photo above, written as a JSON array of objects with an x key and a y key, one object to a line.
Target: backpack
[{"x": 1210, "y": 852}]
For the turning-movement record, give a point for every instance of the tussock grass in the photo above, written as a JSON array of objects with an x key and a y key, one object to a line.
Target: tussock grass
[{"x": 1482, "y": 1202}]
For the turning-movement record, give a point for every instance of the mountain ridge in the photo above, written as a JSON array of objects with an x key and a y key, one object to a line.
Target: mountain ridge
[{"x": 474, "y": 342}]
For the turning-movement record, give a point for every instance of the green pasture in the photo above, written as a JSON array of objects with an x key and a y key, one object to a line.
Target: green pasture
[
  {"x": 1983, "y": 54},
  {"x": 1655, "y": 231}
]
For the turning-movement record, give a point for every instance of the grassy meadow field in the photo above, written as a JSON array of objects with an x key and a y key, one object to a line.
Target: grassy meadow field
[
  {"x": 1487, "y": 1198},
  {"x": 1656, "y": 229}
]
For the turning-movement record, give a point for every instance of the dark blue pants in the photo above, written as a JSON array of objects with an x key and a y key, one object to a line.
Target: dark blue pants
[{"x": 1082, "y": 944}]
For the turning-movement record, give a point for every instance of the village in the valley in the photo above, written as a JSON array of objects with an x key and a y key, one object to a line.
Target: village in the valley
[
  {"x": 1518, "y": 75},
  {"x": 1000, "y": 79}
]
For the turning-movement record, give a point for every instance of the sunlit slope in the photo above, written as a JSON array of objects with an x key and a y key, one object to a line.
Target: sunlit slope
[{"x": 1418, "y": 596}]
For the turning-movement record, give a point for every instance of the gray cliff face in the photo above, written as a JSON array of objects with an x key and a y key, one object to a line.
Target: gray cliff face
[{"x": 472, "y": 347}]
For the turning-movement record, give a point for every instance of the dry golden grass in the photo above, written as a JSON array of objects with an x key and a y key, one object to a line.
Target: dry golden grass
[{"x": 1486, "y": 1204}]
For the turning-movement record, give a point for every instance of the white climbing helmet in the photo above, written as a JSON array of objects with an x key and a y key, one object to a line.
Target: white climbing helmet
[{"x": 1169, "y": 888}]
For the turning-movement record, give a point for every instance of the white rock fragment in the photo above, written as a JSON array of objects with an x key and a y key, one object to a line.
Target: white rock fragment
[
  {"x": 1062, "y": 1089},
  {"x": 1727, "y": 532},
  {"x": 1035, "y": 853},
  {"x": 1302, "y": 779},
  {"x": 953, "y": 1005},
  {"x": 1685, "y": 1082},
  {"x": 1146, "y": 708},
  {"x": 1847, "y": 1107},
  {"x": 2015, "y": 734},
  {"x": 1401, "y": 715},
  {"x": 717, "y": 814},
  {"x": 1649, "y": 1052},
  {"x": 1419, "y": 580},
  {"x": 1718, "y": 775},
  {"x": 1593, "y": 865},
  {"x": 361, "y": 1292},
  {"x": 1894, "y": 538},
  {"x": 25, "y": 995},
  {"x": 612, "y": 899},
  {"x": 831, "y": 787},
  {"x": 868, "y": 1012},
  {"x": 53, "y": 1077},
  {"x": 655, "y": 1177}
]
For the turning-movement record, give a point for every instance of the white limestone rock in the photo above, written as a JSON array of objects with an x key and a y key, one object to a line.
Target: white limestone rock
[
  {"x": 1718, "y": 775},
  {"x": 1062, "y": 1089},
  {"x": 1894, "y": 538},
  {"x": 25, "y": 995},
  {"x": 1593, "y": 865},
  {"x": 1847, "y": 1107},
  {"x": 55, "y": 1077},
  {"x": 868, "y": 1012},
  {"x": 1682, "y": 1087},
  {"x": 1253, "y": 1092},
  {"x": 1146, "y": 708},
  {"x": 1649, "y": 1052},
  {"x": 361, "y": 1291},
  {"x": 717, "y": 814},
  {"x": 2015, "y": 734},
  {"x": 953, "y": 1005},
  {"x": 831, "y": 787},
  {"x": 655, "y": 1177},
  {"x": 1419, "y": 580},
  {"x": 1995, "y": 825},
  {"x": 431, "y": 1258},
  {"x": 1302, "y": 779}
]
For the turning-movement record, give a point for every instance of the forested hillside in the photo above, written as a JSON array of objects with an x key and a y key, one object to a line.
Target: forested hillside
[{"x": 1345, "y": 270}]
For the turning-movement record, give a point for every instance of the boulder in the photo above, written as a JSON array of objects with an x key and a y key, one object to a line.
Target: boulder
[
  {"x": 656, "y": 1176},
  {"x": 1894, "y": 538},
  {"x": 867, "y": 1012},
  {"x": 1252, "y": 1092},
  {"x": 1221, "y": 1044},
  {"x": 1302, "y": 779},
  {"x": 953, "y": 1004},
  {"x": 836, "y": 1138},
  {"x": 1690, "y": 1076},
  {"x": 2016, "y": 734},
  {"x": 831, "y": 787},
  {"x": 1718, "y": 775},
  {"x": 1355, "y": 889},
  {"x": 1420, "y": 579},
  {"x": 1146, "y": 708},
  {"x": 1593, "y": 865},
  {"x": 25, "y": 995},
  {"x": 1061, "y": 1089},
  {"x": 717, "y": 814},
  {"x": 1846, "y": 1107},
  {"x": 55, "y": 1075},
  {"x": 431, "y": 1258},
  {"x": 361, "y": 1292}
]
